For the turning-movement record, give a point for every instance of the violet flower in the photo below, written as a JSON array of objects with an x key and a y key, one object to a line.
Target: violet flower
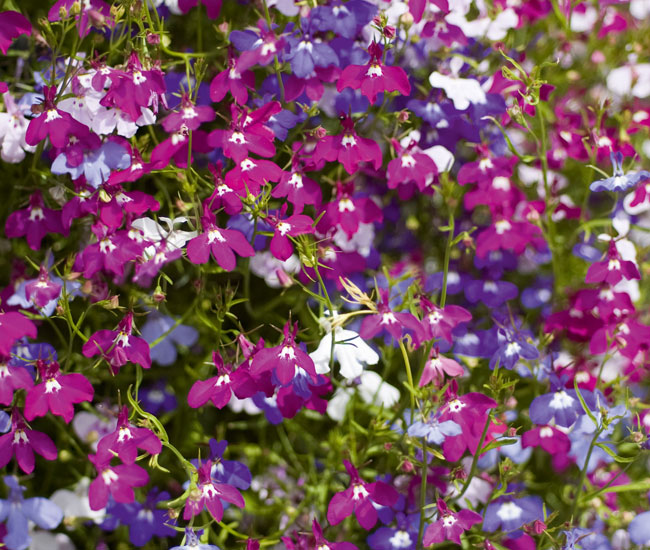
[{"x": 450, "y": 525}]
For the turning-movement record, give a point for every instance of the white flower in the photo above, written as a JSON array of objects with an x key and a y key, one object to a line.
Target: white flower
[
  {"x": 462, "y": 91},
  {"x": 265, "y": 265},
  {"x": 360, "y": 242},
  {"x": 75, "y": 503},
  {"x": 42, "y": 540},
  {"x": 154, "y": 232},
  {"x": 372, "y": 390},
  {"x": 350, "y": 351}
]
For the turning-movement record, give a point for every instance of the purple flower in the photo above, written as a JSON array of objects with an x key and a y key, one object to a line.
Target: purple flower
[
  {"x": 402, "y": 537},
  {"x": 164, "y": 352},
  {"x": 433, "y": 430},
  {"x": 145, "y": 520},
  {"x": 34, "y": 222},
  {"x": 343, "y": 18},
  {"x": 508, "y": 513},
  {"x": 125, "y": 441},
  {"x": 14, "y": 325},
  {"x": 17, "y": 511},
  {"x": 562, "y": 405},
  {"x": 192, "y": 542},
  {"x": 305, "y": 53},
  {"x": 157, "y": 399},
  {"x": 639, "y": 529},
  {"x": 619, "y": 181},
  {"x": 513, "y": 348}
]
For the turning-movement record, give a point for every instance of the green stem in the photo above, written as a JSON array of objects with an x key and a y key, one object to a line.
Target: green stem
[
  {"x": 450, "y": 240},
  {"x": 472, "y": 470},
  {"x": 409, "y": 377},
  {"x": 583, "y": 475},
  {"x": 423, "y": 493}
]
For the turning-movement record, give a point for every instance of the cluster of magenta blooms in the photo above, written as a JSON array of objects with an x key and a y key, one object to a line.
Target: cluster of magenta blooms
[{"x": 334, "y": 192}]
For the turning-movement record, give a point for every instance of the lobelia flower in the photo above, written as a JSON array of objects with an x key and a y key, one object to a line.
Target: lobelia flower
[
  {"x": 513, "y": 347},
  {"x": 250, "y": 175},
  {"x": 348, "y": 212},
  {"x": 114, "y": 202},
  {"x": 248, "y": 132},
  {"x": 450, "y": 525},
  {"x": 157, "y": 398},
  {"x": 75, "y": 503},
  {"x": 13, "y": 126},
  {"x": 294, "y": 225},
  {"x": 42, "y": 290},
  {"x": 22, "y": 442},
  {"x": 306, "y": 53},
  {"x": 639, "y": 529},
  {"x": 12, "y": 378},
  {"x": 118, "y": 481},
  {"x": 390, "y": 321},
  {"x": 34, "y": 222},
  {"x": 348, "y": 148},
  {"x": 14, "y": 325},
  {"x": 209, "y": 494},
  {"x": 402, "y": 537},
  {"x": 286, "y": 360},
  {"x": 119, "y": 346},
  {"x": 57, "y": 392},
  {"x": 360, "y": 498},
  {"x": 372, "y": 390},
  {"x": 12, "y": 25},
  {"x": 145, "y": 520},
  {"x": 549, "y": 438},
  {"x": 437, "y": 366},
  {"x": 620, "y": 181},
  {"x": 612, "y": 269},
  {"x": 53, "y": 123},
  {"x": 506, "y": 234},
  {"x": 192, "y": 542},
  {"x": 221, "y": 243},
  {"x": 509, "y": 513},
  {"x": 219, "y": 389},
  {"x": 125, "y": 441},
  {"x": 164, "y": 352},
  {"x": 345, "y": 19},
  {"x": 561, "y": 405},
  {"x": 440, "y": 322},
  {"x": 149, "y": 266},
  {"x": 259, "y": 48},
  {"x": 409, "y": 165},
  {"x": 296, "y": 187},
  {"x": 433, "y": 430},
  {"x": 374, "y": 77},
  {"x": 492, "y": 293},
  {"x": 320, "y": 542},
  {"x": 230, "y": 472},
  {"x": 90, "y": 12},
  {"x": 223, "y": 195},
  {"x": 18, "y": 511},
  {"x": 189, "y": 115},
  {"x": 350, "y": 352},
  {"x": 233, "y": 80},
  {"x": 462, "y": 91}
]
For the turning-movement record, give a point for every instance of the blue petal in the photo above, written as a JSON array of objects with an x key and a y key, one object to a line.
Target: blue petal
[
  {"x": 42, "y": 512},
  {"x": 639, "y": 529}
]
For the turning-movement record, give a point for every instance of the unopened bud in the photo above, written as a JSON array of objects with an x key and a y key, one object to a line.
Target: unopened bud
[
  {"x": 283, "y": 278},
  {"x": 158, "y": 295},
  {"x": 403, "y": 116},
  {"x": 406, "y": 20},
  {"x": 75, "y": 9},
  {"x": 389, "y": 32},
  {"x": 407, "y": 466},
  {"x": 113, "y": 302},
  {"x": 319, "y": 132},
  {"x": 153, "y": 38}
]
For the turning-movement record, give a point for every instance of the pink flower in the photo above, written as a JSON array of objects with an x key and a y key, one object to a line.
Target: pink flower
[
  {"x": 22, "y": 443},
  {"x": 220, "y": 242},
  {"x": 189, "y": 115},
  {"x": 360, "y": 498},
  {"x": 612, "y": 269},
  {"x": 127, "y": 439},
  {"x": 11, "y": 379},
  {"x": 12, "y": 25},
  {"x": 118, "y": 481},
  {"x": 115, "y": 202},
  {"x": 349, "y": 211},
  {"x": 212, "y": 7},
  {"x": 348, "y": 148},
  {"x": 387, "y": 320},
  {"x": 119, "y": 346},
  {"x": 549, "y": 438},
  {"x": 92, "y": 13},
  {"x": 439, "y": 322},
  {"x": 410, "y": 165},
  {"x": 450, "y": 525},
  {"x": 219, "y": 389},
  {"x": 437, "y": 366},
  {"x": 296, "y": 186},
  {"x": 284, "y": 359},
  {"x": 209, "y": 494},
  {"x": 57, "y": 392},
  {"x": 374, "y": 77},
  {"x": 14, "y": 325}
]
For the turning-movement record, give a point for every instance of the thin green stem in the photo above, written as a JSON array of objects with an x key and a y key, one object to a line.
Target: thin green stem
[
  {"x": 477, "y": 454},
  {"x": 583, "y": 475},
  {"x": 423, "y": 493}
]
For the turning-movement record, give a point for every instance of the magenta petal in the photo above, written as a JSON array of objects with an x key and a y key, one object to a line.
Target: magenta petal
[
  {"x": 98, "y": 494},
  {"x": 200, "y": 392},
  {"x": 340, "y": 507},
  {"x": 366, "y": 514},
  {"x": 215, "y": 508}
]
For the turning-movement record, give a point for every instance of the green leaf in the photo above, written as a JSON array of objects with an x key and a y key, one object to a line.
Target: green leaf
[
  {"x": 497, "y": 443},
  {"x": 611, "y": 453}
]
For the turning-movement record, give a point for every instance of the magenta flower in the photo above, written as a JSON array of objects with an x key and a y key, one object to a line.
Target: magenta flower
[
  {"x": 612, "y": 269},
  {"x": 209, "y": 494},
  {"x": 233, "y": 80},
  {"x": 219, "y": 389},
  {"x": 374, "y": 77},
  {"x": 119, "y": 346},
  {"x": 127, "y": 439},
  {"x": 349, "y": 211},
  {"x": 360, "y": 498},
  {"x": 53, "y": 123},
  {"x": 440, "y": 322},
  {"x": 221, "y": 243},
  {"x": 14, "y": 325},
  {"x": 43, "y": 290},
  {"x": 450, "y": 525},
  {"x": 348, "y": 148},
  {"x": 410, "y": 165},
  {"x": 12, "y": 25},
  {"x": 212, "y": 7},
  {"x": 115, "y": 202},
  {"x": 297, "y": 224},
  {"x": 90, "y": 13},
  {"x": 296, "y": 186},
  {"x": 223, "y": 194},
  {"x": 385, "y": 319},
  {"x": 247, "y": 133},
  {"x": 321, "y": 543},
  {"x": 189, "y": 115},
  {"x": 23, "y": 442},
  {"x": 118, "y": 481},
  {"x": 57, "y": 392},
  {"x": 12, "y": 378},
  {"x": 285, "y": 359},
  {"x": 249, "y": 175},
  {"x": 34, "y": 222},
  {"x": 549, "y": 438}
]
